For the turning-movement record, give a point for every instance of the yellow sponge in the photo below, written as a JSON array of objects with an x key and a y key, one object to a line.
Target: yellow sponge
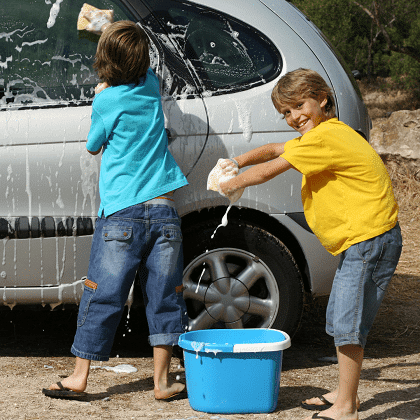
[
  {"x": 82, "y": 22},
  {"x": 215, "y": 174}
]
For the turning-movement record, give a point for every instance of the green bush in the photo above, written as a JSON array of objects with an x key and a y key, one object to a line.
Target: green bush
[{"x": 392, "y": 49}]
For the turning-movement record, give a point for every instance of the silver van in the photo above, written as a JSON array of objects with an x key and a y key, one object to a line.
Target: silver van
[{"x": 218, "y": 62}]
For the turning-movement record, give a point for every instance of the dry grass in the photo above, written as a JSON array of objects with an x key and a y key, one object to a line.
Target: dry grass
[
  {"x": 382, "y": 96},
  {"x": 405, "y": 176},
  {"x": 399, "y": 316}
]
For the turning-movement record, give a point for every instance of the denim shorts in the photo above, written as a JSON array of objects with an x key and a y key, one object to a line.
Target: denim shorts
[
  {"x": 362, "y": 277},
  {"x": 145, "y": 238}
]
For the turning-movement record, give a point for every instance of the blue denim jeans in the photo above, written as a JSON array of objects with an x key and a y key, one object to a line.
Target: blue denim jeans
[
  {"x": 145, "y": 238},
  {"x": 362, "y": 277}
]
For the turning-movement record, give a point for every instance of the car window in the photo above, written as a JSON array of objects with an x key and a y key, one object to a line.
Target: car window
[
  {"x": 225, "y": 54},
  {"x": 44, "y": 59},
  {"x": 166, "y": 59}
]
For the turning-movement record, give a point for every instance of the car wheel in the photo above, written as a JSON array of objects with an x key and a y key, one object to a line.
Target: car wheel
[{"x": 243, "y": 277}]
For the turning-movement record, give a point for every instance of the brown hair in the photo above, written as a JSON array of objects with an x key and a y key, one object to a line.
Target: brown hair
[
  {"x": 122, "y": 56},
  {"x": 299, "y": 84}
]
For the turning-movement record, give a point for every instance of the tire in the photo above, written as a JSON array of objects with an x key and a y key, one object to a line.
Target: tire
[{"x": 242, "y": 278}]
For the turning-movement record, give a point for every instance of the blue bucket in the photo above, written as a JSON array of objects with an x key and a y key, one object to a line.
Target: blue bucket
[{"x": 233, "y": 371}]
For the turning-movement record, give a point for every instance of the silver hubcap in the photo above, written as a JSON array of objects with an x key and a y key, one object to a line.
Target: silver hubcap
[
  {"x": 230, "y": 286},
  {"x": 227, "y": 300}
]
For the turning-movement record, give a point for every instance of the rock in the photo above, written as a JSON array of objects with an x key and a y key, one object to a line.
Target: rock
[{"x": 397, "y": 135}]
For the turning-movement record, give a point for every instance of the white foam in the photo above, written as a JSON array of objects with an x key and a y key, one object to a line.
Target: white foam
[
  {"x": 224, "y": 224},
  {"x": 118, "y": 369},
  {"x": 3, "y": 64},
  {"x": 55, "y": 10},
  {"x": 197, "y": 346},
  {"x": 224, "y": 220},
  {"x": 244, "y": 117},
  {"x": 201, "y": 276},
  {"x": 214, "y": 351}
]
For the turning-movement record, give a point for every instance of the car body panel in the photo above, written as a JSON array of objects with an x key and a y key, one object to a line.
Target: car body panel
[
  {"x": 342, "y": 82},
  {"x": 321, "y": 269},
  {"x": 57, "y": 177},
  {"x": 47, "y": 174},
  {"x": 44, "y": 262},
  {"x": 49, "y": 181}
]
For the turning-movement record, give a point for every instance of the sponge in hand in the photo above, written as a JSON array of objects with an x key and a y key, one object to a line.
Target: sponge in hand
[{"x": 82, "y": 22}]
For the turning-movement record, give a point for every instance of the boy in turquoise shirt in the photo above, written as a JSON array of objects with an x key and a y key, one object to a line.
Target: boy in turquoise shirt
[{"x": 138, "y": 229}]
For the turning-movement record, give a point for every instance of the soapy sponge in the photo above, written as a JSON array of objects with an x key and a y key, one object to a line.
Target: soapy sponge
[
  {"x": 221, "y": 174},
  {"x": 82, "y": 22}
]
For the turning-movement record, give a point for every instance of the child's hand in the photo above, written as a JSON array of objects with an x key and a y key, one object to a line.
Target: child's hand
[
  {"x": 222, "y": 168},
  {"x": 224, "y": 187},
  {"x": 225, "y": 170},
  {"x": 229, "y": 166},
  {"x": 100, "y": 87},
  {"x": 99, "y": 21},
  {"x": 227, "y": 190}
]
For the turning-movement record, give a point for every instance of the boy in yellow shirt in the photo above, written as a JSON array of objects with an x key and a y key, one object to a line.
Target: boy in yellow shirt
[{"x": 348, "y": 203}]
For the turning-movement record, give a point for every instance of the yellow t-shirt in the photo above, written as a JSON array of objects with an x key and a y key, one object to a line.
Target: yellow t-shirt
[{"x": 346, "y": 190}]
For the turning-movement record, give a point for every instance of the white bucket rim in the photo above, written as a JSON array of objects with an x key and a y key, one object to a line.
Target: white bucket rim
[{"x": 201, "y": 346}]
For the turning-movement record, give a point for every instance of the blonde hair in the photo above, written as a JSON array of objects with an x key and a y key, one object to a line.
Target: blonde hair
[
  {"x": 299, "y": 84},
  {"x": 122, "y": 56}
]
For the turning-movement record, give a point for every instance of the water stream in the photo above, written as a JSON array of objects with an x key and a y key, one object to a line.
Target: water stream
[{"x": 223, "y": 224}]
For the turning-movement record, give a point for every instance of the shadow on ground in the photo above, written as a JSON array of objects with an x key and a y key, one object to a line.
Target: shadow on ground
[{"x": 44, "y": 333}]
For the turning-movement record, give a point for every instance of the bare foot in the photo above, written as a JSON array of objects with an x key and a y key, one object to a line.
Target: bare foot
[
  {"x": 330, "y": 397},
  {"x": 71, "y": 382},
  {"x": 336, "y": 415},
  {"x": 163, "y": 392}
]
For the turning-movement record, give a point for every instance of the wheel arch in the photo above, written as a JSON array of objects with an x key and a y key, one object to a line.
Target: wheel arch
[{"x": 262, "y": 220}]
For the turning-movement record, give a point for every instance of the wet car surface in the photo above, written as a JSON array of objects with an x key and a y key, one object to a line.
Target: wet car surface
[{"x": 217, "y": 64}]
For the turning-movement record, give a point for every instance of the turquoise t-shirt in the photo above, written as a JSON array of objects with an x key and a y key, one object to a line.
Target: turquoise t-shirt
[{"x": 136, "y": 166}]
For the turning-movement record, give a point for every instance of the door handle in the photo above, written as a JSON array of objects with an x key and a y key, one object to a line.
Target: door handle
[{"x": 170, "y": 135}]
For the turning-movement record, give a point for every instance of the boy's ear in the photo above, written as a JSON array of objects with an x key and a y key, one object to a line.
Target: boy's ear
[{"x": 323, "y": 100}]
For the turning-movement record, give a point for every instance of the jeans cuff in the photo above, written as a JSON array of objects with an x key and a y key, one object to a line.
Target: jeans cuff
[
  {"x": 348, "y": 339},
  {"x": 164, "y": 339},
  {"x": 88, "y": 356}
]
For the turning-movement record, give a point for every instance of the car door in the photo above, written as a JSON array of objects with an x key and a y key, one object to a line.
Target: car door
[
  {"x": 238, "y": 54},
  {"x": 183, "y": 106},
  {"x": 247, "y": 49},
  {"x": 49, "y": 183},
  {"x": 232, "y": 52},
  {"x": 47, "y": 179}
]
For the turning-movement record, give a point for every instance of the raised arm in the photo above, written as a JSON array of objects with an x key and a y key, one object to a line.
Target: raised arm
[
  {"x": 260, "y": 154},
  {"x": 256, "y": 175}
]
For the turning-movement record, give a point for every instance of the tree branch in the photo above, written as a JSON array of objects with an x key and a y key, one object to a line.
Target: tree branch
[
  {"x": 369, "y": 13},
  {"x": 407, "y": 50}
]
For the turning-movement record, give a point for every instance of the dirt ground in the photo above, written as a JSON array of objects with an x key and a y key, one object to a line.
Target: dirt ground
[{"x": 34, "y": 352}]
